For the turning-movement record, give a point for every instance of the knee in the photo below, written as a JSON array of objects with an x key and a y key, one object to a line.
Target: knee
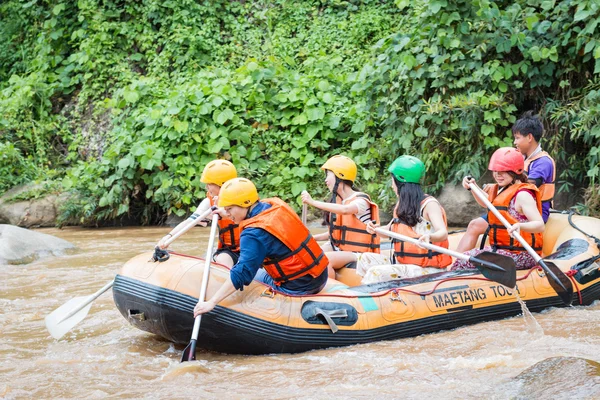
[
  {"x": 477, "y": 226},
  {"x": 224, "y": 259}
]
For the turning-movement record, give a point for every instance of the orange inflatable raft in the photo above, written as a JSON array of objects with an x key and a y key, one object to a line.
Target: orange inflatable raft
[{"x": 158, "y": 297}]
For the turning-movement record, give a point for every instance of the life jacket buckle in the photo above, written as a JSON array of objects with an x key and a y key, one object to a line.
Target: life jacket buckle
[{"x": 268, "y": 292}]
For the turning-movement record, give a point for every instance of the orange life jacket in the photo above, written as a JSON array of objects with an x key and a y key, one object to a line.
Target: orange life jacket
[
  {"x": 305, "y": 256},
  {"x": 547, "y": 189},
  {"x": 408, "y": 253},
  {"x": 498, "y": 234},
  {"x": 229, "y": 233},
  {"x": 348, "y": 233}
]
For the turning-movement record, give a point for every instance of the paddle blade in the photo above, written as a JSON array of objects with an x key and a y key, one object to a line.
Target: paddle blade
[
  {"x": 189, "y": 353},
  {"x": 559, "y": 281},
  {"x": 58, "y": 322},
  {"x": 496, "y": 267}
]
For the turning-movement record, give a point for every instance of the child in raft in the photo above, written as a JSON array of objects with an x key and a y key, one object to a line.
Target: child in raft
[
  {"x": 349, "y": 211},
  {"x": 539, "y": 167},
  {"x": 417, "y": 215},
  {"x": 519, "y": 202}
]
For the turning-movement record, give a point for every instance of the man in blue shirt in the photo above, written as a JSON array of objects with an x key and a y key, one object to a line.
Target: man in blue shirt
[{"x": 273, "y": 236}]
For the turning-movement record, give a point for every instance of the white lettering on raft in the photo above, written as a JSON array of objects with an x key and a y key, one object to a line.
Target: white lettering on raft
[{"x": 461, "y": 297}]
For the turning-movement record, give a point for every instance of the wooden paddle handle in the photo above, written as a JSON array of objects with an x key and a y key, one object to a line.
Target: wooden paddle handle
[{"x": 483, "y": 197}]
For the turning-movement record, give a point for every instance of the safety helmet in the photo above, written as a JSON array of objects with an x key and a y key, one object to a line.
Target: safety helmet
[
  {"x": 407, "y": 169},
  {"x": 218, "y": 172},
  {"x": 342, "y": 167},
  {"x": 238, "y": 192},
  {"x": 507, "y": 159}
]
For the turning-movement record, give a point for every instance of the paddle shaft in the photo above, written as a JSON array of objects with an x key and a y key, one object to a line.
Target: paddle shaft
[
  {"x": 429, "y": 246},
  {"x": 304, "y": 211},
  {"x": 211, "y": 242},
  {"x": 88, "y": 301},
  {"x": 483, "y": 197},
  {"x": 188, "y": 225}
]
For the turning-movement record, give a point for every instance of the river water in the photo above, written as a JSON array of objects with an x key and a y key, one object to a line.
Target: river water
[{"x": 105, "y": 357}]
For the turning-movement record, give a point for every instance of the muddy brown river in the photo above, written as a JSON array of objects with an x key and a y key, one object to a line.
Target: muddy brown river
[{"x": 105, "y": 357}]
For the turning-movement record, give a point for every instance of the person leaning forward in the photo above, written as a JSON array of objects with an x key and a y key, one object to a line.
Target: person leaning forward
[
  {"x": 272, "y": 235},
  {"x": 214, "y": 175}
]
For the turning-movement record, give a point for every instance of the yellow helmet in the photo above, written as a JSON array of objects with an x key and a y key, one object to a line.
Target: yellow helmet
[
  {"x": 218, "y": 172},
  {"x": 342, "y": 166},
  {"x": 238, "y": 192}
]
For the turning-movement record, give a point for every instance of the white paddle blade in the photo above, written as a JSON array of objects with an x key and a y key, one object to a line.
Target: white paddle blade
[{"x": 59, "y": 322}]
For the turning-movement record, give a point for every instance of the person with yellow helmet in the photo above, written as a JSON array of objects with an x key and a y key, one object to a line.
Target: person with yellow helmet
[
  {"x": 214, "y": 175},
  {"x": 272, "y": 236},
  {"x": 349, "y": 211}
]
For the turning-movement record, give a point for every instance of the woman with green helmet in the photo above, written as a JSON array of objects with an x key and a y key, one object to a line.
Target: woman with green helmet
[{"x": 416, "y": 215}]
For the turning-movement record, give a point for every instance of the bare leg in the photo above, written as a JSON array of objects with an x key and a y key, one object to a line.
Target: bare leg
[
  {"x": 468, "y": 242},
  {"x": 225, "y": 259},
  {"x": 337, "y": 259}
]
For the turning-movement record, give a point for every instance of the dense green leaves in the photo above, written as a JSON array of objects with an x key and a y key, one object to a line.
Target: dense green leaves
[{"x": 129, "y": 100}]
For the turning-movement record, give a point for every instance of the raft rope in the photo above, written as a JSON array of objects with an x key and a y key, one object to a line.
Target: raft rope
[
  {"x": 396, "y": 291},
  {"x": 571, "y": 273},
  {"x": 570, "y": 218}
]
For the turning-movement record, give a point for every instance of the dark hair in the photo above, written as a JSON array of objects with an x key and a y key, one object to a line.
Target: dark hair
[
  {"x": 522, "y": 176},
  {"x": 408, "y": 208},
  {"x": 529, "y": 124}
]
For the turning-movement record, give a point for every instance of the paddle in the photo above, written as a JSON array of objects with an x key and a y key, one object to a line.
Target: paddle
[
  {"x": 161, "y": 255},
  {"x": 558, "y": 280},
  {"x": 496, "y": 267},
  {"x": 304, "y": 210},
  {"x": 189, "y": 353},
  {"x": 64, "y": 318}
]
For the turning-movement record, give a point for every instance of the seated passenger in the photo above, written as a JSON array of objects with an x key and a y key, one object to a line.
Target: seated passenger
[
  {"x": 273, "y": 236},
  {"x": 539, "y": 167},
  {"x": 349, "y": 211},
  {"x": 519, "y": 202},
  {"x": 214, "y": 175},
  {"x": 418, "y": 216}
]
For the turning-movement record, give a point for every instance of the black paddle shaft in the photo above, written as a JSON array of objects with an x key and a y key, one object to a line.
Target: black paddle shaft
[
  {"x": 189, "y": 353},
  {"x": 559, "y": 281}
]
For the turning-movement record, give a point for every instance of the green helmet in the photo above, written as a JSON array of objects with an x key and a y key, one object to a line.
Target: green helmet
[{"x": 407, "y": 169}]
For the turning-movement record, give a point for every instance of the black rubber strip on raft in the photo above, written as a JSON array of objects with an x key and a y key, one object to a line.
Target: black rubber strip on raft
[
  {"x": 569, "y": 249},
  {"x": 169, "y": 314}
]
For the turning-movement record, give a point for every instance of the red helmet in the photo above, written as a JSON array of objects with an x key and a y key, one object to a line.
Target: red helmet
[{"x": 507, "y": 159}]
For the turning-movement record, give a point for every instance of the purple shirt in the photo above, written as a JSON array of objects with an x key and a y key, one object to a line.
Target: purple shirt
[{"x": 542, "y": 168}]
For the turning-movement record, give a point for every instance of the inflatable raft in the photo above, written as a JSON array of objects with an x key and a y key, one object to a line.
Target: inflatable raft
[{"x": 159, "y": 297}]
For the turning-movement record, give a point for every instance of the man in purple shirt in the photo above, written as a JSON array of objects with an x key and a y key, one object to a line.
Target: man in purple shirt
[
  {"x": 539, "y": 166},
  {"x": 540, "y": 169}
]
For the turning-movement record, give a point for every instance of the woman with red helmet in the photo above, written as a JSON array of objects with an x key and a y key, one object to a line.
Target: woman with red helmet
[{"x": 519, "y": 202}]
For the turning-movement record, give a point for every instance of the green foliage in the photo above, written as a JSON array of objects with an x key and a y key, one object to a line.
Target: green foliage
[
  {"x": 449, "y": 87},
  {"x": 14, "y": 168},
  {"x": 278, "y": 86},
  {"x": 36, "y": 192}
]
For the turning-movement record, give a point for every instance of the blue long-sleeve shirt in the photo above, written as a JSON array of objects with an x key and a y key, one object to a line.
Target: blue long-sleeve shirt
[{"x": 255, "y": 245}]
